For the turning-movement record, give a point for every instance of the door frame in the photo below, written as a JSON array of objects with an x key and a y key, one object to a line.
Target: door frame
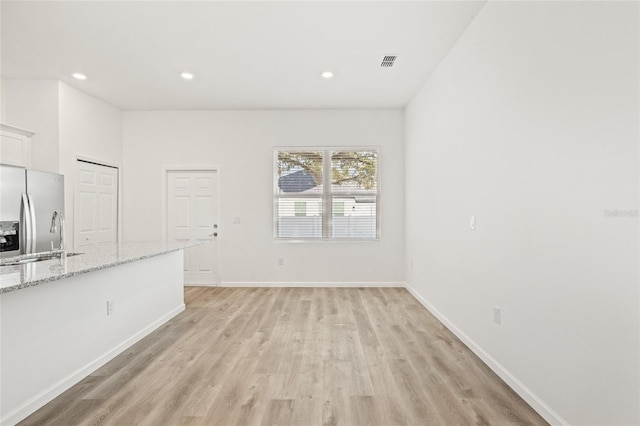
[
  {"x": 99, "y": 162},
  {"x": 165, "y": 202}
]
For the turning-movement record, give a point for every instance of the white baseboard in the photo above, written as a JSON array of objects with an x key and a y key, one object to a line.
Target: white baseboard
[
  {"x": 38, "y": 401},
  {"x": 309, "y": 284},
  {"x": 202, "y": 285},
  {"x": 525, "y": 393}
]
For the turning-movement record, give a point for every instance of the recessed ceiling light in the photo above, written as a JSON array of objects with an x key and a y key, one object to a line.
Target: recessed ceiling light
[
  {"x": 187, "y": 76},
  {"x": 327, "y": 74},
  {"x": 79, "y": 76}
]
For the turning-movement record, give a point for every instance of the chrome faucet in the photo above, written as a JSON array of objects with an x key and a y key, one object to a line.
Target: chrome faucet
[{"x": 54, "y": 228}]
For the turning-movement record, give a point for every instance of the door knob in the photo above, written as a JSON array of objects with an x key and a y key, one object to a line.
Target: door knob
[{"x": 215, "y": 234}]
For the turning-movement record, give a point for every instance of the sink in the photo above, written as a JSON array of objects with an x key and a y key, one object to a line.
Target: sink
[{"x": 39, "y": 258}]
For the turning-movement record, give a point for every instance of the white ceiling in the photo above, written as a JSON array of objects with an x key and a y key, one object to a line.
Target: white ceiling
[{"x": 244, "y": 54}]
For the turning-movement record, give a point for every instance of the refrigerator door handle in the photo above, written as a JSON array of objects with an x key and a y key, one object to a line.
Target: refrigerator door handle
[
  {"x": 25, "y": 231},
  {"x": 32, "y": 211}
]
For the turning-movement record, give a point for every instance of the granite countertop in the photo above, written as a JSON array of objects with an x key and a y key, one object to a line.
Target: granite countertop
[{"x": 16, "y": 277}]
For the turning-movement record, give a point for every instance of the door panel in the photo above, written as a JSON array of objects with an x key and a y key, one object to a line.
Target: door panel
[
  {"x": 86, "y": 204},
  {"x": 192, "y": 202},
  {"x": 88, "y": 177},
  {"x": 105, "y": 212},
  {"x": 96, "y": 206}
]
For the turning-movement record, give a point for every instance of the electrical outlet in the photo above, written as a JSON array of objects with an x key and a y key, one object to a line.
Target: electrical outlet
[
  {"x": 110, "y": 307},
  {"x": 497, "y": 315},
  {"x": 281, "y": 261}
]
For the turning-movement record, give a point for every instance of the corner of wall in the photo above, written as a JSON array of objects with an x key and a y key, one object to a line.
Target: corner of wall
[{"x": 520, "y": 388}]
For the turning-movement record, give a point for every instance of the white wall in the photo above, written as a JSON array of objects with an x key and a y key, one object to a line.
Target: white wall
[
  {"x": 531, "y": 125},
  {"x": 91, "y": 129},
  {"x": 3, "y": 102},
  {"x": 241, "y": 143},
  {"x": 68, "y": 124},
  {"x": 33, "y": 105}
]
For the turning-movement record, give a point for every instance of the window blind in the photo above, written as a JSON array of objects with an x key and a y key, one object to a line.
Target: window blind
[{"x": 326, "y": 194}]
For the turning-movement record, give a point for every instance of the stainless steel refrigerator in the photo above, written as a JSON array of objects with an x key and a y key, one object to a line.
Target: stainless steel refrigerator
[{"x": 28, "y": 199}]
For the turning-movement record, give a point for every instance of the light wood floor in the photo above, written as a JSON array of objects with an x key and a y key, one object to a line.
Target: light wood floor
[{"x": 293, "y": 356}]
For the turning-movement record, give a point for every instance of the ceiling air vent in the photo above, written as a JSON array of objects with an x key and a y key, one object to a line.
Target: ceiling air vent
[{"x": 388, "y": 61}]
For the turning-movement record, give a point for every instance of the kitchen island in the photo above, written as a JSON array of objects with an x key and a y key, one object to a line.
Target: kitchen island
[{"x": 61, "y": 319}]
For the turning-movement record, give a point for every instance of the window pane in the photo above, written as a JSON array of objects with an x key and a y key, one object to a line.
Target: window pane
[
  {"x": 358, "y": 218},
  {"x": 299, "y": 172},
  {"x": 345, "y": 209},
  {"x": 301, "y": 208},
  {"x": 354, "y": 171},
  {"x": 299, "y": 218}
]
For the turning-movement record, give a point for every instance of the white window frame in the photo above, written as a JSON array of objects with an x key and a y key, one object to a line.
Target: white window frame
[{"x": 327, "y": 196}]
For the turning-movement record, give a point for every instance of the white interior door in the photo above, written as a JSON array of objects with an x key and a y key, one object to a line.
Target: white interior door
[
  {"x": 96, "y": 205},
  {"x": 192, "y": 203}
]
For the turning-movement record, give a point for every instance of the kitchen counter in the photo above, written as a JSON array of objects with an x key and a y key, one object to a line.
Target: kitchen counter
[
  {"x": 17, "y": 277},
  {"x": 60, "y": 320}
]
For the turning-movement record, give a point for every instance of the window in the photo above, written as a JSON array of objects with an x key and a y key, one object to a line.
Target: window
[
  {"x": 301, "y": 208},
  {"x": 326, "y": 194}
]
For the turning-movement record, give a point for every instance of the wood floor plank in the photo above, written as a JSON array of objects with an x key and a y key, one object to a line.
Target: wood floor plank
[
  {"x": 306, "y": 412},
  {"x": 420, "y": 407},
  {"x": 390, "y": 401},
  {"x": 279, "y": 412},
  {"x": 365, "y": 328},
  {"x": 70, "y": 402},
  {"x": 293, "y": 356},
  {"x": 254, "y": 401},
  {"x": 336, "y": 410},
  {"x": 364, "y": 410}
]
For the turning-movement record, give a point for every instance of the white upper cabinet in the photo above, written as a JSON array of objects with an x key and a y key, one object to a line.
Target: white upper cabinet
[{"x": 15, "y": 146}]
